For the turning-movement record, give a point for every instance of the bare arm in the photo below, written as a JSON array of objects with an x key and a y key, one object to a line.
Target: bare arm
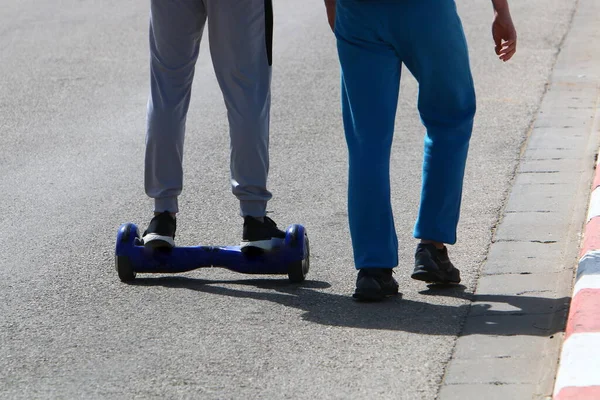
[
  {"x": 330, "y": 7},
  {"x": 503, "y": 31},
  {"x": 500, "y": 4}
]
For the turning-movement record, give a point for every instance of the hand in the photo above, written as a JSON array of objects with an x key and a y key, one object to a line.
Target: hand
[
  {"x": 330, "y": 7},
  {"x": 504, "y": 34}
]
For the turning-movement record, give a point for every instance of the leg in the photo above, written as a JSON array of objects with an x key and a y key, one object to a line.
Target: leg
[
  {"x": 370, "y": 87},
  {"x": 240, "y": 44},
  {"x": 175, "y": 32},
  {"x": 438, "y": 58}
]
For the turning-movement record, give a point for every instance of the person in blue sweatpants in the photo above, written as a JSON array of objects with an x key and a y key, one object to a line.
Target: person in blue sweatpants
[{"x": 374, "y": 39}]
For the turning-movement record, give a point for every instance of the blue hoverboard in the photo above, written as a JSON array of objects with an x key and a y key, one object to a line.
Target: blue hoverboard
[{"x": 291, "y": 257}]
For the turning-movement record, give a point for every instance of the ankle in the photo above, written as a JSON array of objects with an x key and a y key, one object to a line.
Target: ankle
[
  {"x": 438, "y": 245},
  {"x": 173, "y": 215}
]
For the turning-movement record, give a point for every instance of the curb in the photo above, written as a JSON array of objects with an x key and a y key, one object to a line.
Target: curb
[{"x": 578, "y": 375}]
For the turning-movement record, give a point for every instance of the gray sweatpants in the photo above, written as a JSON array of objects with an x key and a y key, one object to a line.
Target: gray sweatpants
[{"x": 240, "y": 34}]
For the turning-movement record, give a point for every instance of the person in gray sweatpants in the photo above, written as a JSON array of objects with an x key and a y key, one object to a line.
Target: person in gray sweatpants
[{"x": 241, "y": 33}]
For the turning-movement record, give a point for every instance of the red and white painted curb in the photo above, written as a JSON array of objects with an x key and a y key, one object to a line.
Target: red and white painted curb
[{"x": 578, "y": 375}]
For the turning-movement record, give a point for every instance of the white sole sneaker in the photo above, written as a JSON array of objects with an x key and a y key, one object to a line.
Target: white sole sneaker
[{"x": 154, "y": 240}]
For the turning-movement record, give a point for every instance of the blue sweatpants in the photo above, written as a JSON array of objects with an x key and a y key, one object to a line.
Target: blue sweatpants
[{"x": 374, "y": 39}]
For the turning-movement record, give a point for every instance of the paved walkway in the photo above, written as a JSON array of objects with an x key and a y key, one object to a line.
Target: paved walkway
[
  {"x": 579, "y": 371},
  {"x": 513, "y": 335}
]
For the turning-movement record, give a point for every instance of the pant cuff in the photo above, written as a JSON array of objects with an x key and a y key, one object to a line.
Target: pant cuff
[
  {"x": 169, "y": 204},
  {"x": 253, "y": 208},
  {"x": 446, "y": 238}
]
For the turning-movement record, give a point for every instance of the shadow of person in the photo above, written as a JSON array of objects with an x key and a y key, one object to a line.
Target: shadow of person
[
  {"x": 526, "y": 315},
  {"x": 506, "y": 315}
]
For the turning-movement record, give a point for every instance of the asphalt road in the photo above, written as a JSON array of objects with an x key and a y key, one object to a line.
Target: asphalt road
[{"x": 73, "y": 90}]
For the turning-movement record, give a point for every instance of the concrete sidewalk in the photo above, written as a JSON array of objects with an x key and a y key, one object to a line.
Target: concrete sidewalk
[{"x": 511, "y": 342}]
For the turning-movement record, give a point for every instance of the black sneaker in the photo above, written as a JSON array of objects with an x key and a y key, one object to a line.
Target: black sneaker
[
  {"x": 160, "y": 232},
  {"x": 375, "y": 284},
  {"x": 260, "y": 236},
  {"x": 432, "y": 265}
]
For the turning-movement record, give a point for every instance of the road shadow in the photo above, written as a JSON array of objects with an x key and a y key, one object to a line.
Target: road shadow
[{"x": 528, "y": 315}]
